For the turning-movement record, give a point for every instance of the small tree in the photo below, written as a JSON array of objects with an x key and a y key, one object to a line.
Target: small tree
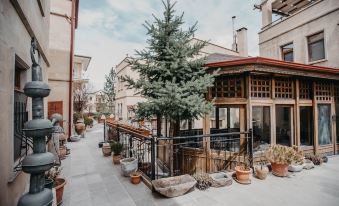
[
  {"x": 80, "y": 96},
  {"x": 172, "y": 78},
  {"x": 109, "y": 89}
]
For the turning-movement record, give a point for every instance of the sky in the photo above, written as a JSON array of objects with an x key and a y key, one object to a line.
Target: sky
[{"x": 108, "y": 30}]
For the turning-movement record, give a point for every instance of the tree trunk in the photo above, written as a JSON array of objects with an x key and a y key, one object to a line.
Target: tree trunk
[{"x": 158, "y": 125}]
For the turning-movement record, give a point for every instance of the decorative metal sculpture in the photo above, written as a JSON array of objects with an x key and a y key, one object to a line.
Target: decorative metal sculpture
[{"x": 38, "y": 128}]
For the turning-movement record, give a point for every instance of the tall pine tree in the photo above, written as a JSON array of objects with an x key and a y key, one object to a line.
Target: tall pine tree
[
  {"x": 109, "y": 89},
  {"x": 172, "y": 78}
]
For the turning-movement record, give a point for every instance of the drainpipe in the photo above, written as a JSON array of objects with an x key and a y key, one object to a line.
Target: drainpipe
[{"x": 70, "y": 92}]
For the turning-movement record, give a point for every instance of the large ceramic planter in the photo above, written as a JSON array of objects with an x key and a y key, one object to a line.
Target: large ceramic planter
[
  {"x": 261, "y": 171},
  {"x": 116, "y": 159},
  {"x": 174, "y": 186},
  {"x": 128, "y": 165},
  {"x": 106, "y": 149},
  {"x": 280, "y": 170},
  {"x": 242, "y": 175},
  {"x": 59, "y": 189},
  {"x": 80, "y": 127}
]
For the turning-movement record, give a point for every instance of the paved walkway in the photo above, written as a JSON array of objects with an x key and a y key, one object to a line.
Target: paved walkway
[{"x": 94, "y": 180}]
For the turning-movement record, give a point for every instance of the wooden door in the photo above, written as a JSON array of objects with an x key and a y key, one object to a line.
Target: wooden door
[{"x": 55, "y": 107}]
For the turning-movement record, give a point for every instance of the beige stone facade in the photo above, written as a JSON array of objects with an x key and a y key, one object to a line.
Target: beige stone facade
[
  {"x": 20, "y": 20},
  {"x": 61, "y": 51},
  {"x": 304, "y": 19}
]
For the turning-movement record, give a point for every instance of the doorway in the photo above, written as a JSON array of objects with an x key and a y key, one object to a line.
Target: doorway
[
  {"x": 284, "y": 124},
  {"x": 55, "y": 107}
]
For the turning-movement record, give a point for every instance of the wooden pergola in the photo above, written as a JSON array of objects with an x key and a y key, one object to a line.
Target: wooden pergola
[{"x": 300, "y": 101}]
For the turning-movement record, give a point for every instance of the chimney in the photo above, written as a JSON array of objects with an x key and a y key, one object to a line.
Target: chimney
[
  {"x": 266, "y": 12},
  {"x": 242, "y": 46}
]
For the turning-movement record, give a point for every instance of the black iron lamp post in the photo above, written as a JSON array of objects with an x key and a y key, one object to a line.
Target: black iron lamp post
[{"x": 38, "y": 128}]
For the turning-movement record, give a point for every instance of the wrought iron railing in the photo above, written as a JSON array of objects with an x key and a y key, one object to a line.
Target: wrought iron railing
[
  {"x": 160, "y": 157},
  {"x": 22, "y": 144}
]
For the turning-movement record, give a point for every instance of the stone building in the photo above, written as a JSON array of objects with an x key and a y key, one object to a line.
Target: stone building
[
  {"x": 300, "y": 31},
  {"x": 63, "y": 21},
  {"x": 19, "y": 21}
]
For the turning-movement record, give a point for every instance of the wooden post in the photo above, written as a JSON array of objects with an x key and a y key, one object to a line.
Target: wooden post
[
  {"x": 273, "y": 115},
  {"x": 206, "y": 141},
  {"x": 297, "y": 115},
  {"x": 333, "y": 121},
  {"x": 315, "y": 119}
]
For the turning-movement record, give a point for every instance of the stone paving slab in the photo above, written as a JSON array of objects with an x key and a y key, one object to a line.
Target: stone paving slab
[{"x": 92, "y": 179}]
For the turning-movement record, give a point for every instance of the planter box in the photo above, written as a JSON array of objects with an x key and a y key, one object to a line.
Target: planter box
[{"x": 174, "y": 186}]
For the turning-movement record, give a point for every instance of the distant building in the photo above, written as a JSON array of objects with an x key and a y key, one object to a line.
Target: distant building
[
  {"x": 81, "y": 64},
  {"x": 97, "y": 102},
  {"x": 304, "y": 31},
  {"x": 127, "y": 99},
  {"x": 63, "y": 21}
]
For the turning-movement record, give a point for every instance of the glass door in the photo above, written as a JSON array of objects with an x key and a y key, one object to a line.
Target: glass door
[
  {"x": 283, "y": 124},
  {"x": 324, "y": 124}
]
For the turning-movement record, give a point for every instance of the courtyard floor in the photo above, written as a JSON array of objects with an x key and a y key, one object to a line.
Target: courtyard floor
[{"x": 94, "y": 180}]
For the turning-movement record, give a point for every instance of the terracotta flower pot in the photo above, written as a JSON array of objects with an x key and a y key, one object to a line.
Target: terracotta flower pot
[
  {"x": 279, "y": 170},
  {"x": 135, "y": 178},
  {"x": 106, "y": 149},
  {"x": 242, "y": 175},
  {"x": 59, "y": 189},
  {"x": 116, "y": 159}
]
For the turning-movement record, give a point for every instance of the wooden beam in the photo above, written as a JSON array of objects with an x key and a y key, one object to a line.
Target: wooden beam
[{"x": 41, "y": 8}]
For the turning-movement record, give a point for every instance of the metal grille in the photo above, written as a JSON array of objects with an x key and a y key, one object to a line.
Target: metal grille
[
  {"x": 323, "y": 91},
  {"x": 260, "y": 87},
  {"x": 21, "y": 142},
  {"x": 336, "y": 93},
  {"x": 305, "y": 89},
  {"x": 228, "y": 86},
  {"x": 284, "y": 88}
]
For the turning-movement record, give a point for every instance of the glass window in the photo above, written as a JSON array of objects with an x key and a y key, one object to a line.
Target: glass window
[
  {"x": 261, "y": 127},
  {"x": 283, "y": 125},
  {"x": 287, "y": 52},
  {"x": 316, "y": 48},
  {"x": 324, "y": 124},
  {"x": 229, "y": 118},
  {"x": 306, "y": 126}
]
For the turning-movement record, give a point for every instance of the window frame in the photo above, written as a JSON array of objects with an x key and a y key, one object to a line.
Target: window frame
[
  {"x": 309, "y": 60},
  {"x": 283, "y": 53}
]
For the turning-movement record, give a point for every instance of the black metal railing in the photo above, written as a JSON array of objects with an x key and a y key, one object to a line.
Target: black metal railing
[
  {"x": 22, "y": 144},
  {"x": 160, "y": 157}
]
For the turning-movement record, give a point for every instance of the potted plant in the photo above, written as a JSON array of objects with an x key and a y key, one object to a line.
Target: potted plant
[
  {"x": 135, "y": 177},
  {"x": 117, "y": 149},
  {"x": 261, "y": 171},
  {"x": 58, "y": 182},
  {"x": 243, "y": 170},
  {"x": 280, "y": 157}
]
